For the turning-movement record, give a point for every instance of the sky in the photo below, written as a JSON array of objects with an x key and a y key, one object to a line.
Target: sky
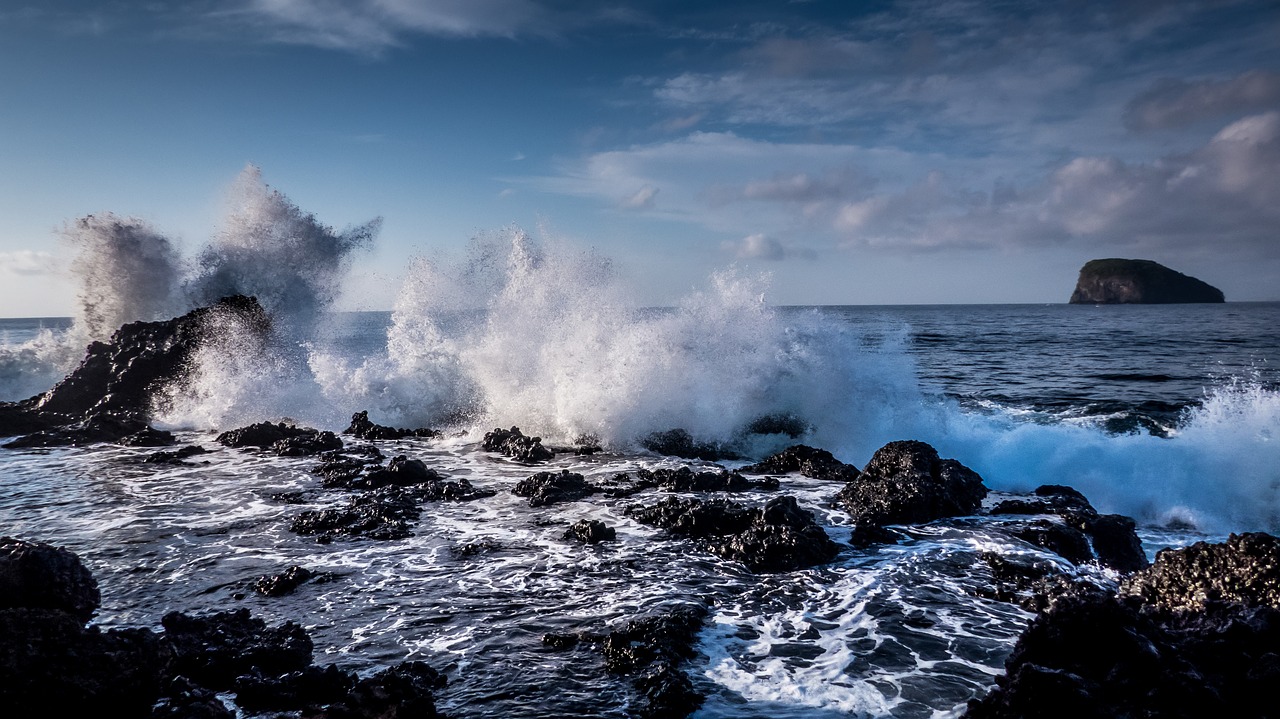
[{"x": 892, "y": 152}]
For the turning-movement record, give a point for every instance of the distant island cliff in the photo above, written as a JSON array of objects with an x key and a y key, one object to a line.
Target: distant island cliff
[{"x": 1135, "y": 282}]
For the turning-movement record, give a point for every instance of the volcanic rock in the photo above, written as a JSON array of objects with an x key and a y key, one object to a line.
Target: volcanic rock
[
  {"x": 1244, "y": 570},
  {"x": 284, "y": 583},
  {"x": 362, "y": 428},
  {"x": 1111, "y": 539},
  {"x": 591, "y": 532},
  {"x": 808, "y": 461},
  {"x": 679, "y": 443},
  {"x": 546, "y": 488},
  {"x": 214, "y": 649},
  {"x": 906, "y": 482},
  {"x": 383, "y": 514},
  {"x": 1116, "y": 281},
  {"x": 685, "y": 479},
  {"x": 280, "y": 438},
  {"x": 35, "y": 575},
  {"x": 516, "y": 445}
]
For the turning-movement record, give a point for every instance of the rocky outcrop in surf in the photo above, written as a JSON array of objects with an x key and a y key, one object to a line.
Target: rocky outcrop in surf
[
  {"x": 1116, "y": 281},
  {"x": 280, "y": 438},
  {"x": 514, "y": 444},
  {"x": 1193, "y": 635},
  {"x": 109, "y": 396},
  {"x": 52, "y": 664},
  {"x": 1083, "y": 534},
  {"x": 905, "y": 483},
  {"x": 362, "y": 428},
  {"x": 808, "y": 461}
]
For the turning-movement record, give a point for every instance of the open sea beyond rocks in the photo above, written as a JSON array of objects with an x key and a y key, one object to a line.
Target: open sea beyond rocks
[{"x": 1167, "y": 414}]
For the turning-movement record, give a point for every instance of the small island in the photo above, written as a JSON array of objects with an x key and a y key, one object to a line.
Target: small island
[{"x": 1130, "y": 282}]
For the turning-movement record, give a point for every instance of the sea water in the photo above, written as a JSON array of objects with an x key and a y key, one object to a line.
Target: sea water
[{"x": 1168, "y": 414}]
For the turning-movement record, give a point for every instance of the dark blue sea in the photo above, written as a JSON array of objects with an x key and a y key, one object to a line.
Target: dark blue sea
[{"x": 1169, "y": 414}]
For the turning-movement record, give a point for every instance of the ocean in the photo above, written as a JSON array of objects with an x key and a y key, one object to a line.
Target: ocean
[{"x": 1169, "y": 414}]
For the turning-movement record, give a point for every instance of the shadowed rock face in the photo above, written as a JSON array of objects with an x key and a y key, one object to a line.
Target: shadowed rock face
[
  {"x": 1115, "y": 281},
  {"x": 1193, "y": 635}
]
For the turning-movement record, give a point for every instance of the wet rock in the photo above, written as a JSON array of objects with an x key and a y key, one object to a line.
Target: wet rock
[
  {"x": 808, "y": 461},
  {"x": 286, "y": 582},
  {"x": 362, "y": 428},
  {"x": 148, "y": 437},
  {"x": 1112, "y": 539},
  {"x": 685, "y": 479},
  {"x": 1194, "y": 635},
  {"x": 1243, "y": 570},
  {"x": 546, "y": 488},
  {"x": 779, "y": 537},
  {"x": 214, "y": 649},
  {"x": 906, "y": 482},
  {"x": 383, "y": 514},
  {"x": 51, "y": 665},
  {"x": 679, "y": 443},
  {"x": 281, "y": 438},
  {"x": 186, "y": 700},
  {"x": 516, "y": 445},
  {"x": 694, "y": 518},
  {"x": 591, "y": 532},
  {"x": 784, "y": 423},
  {"x": 339, "y": 467},
  {"x": 309, "y": 687},
  {"x": 1015, "y": 579},
  {"x": 782, "y": 537},
  {"x": 650, "y": 649},
  {"x": 98, "y": 427},
  {"x": 176, "y": 456},
  {"x": 1067, "y": 542},
  {"x": 405, "y": 690},
  {"x": 35, "y": 575}
]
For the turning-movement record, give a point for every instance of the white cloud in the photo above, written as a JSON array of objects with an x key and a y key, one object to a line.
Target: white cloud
[
  {"x": 641, "y": 199},
  {"x": 28, "y": 262},
  {"x": 762, "y": 247}
]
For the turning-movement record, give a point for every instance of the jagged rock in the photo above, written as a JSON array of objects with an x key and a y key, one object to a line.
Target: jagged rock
[
  {"x": 35, "y": 575},
  {"x": 780, "y": 537},
  {"x": 785, "y": 423},
  {"x": 51, "y": 665},
  {"x": 186, "y": 700},
  {"x": 906, "y": 482},
  {"x": 679, "y": 443},
  {"x": 1116, "y": 281},
  {"x": 405, "y": 690},
  {"x": 808, "y": 461},
  {"x": 311, "y": 686},
  {"x": 177, "y": 456},
  {"x": 516, "y": 445},
  {"x": 306, "y": 445},
  {"x": 1194, "y": 635},
  {"x": 384, "y": 514},
  {"x": 286, "y": 582},
  {"x": 99, "y": 426},
  {"x": 214, "y": 649},
  {"x": 1243, "y": 570},
  {"x": 340, "y": 467},
  {"x": 1112, "y": 539},
  {"x": 362, "y": 428},
  {"x": 650, "y": 649},
  {"x": 281, "y": 438},
  {"x": 546, "y": 488},
  {"x": 685, "y": 479},
  {"x": 148, "y": 437},
  {"x": 591, "y": 532}
]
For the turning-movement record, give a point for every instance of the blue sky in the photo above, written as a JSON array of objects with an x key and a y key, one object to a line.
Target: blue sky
[{"x": 862, "y": 153}]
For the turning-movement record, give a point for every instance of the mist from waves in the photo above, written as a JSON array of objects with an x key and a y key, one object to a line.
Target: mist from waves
[
  {"x": 128, "y": 271},
  {"x": 543, "y": 335}
]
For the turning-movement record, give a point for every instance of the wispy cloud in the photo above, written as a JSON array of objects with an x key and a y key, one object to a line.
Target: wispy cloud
[
  {"x": 762, "y": 247},
  {"x": 1174, "y": 103},
  {"x": 641, "y": 199},
  {"x": 28, "y": 262}
]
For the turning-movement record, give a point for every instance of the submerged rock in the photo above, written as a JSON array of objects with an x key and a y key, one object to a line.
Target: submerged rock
[
  {"x": 1116, "y": 281},
  {"x": 808, "y": 461},
  {"x": 177, "y": 456},
  {"x": 1194, "y": 635},
  {"x": 286, "y": 582},
  {"x": 383, "y": 514},
  {"x": 1084, "y": 535},
  {"x": 516, "y": 445},
  {"x": 905, "y": 483},
  {"x": 362, "y": 428}
]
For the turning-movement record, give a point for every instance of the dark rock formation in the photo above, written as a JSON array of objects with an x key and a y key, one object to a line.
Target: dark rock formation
[
  {"x": 516, "y": 445},
  {"x": 679, "y": 443},
  {"x": 282, "y": 439},
  {"x": 591, "y": 532},
  {"x": 1115, "y": 281},
  {"x": 906, "y": 482},
  {"x": 650, "y": 649},
  {"x": 214, "y": 649},
  {"x": 808, "y": 461},
  {"x": 383, "y": 514},
  {"x": 1110, "y": 539},
  {"x": 362, "y": 428},
  {"x": 546, "y": 488},
  {"x": 176, "y": 456},
  {"x": 286, "y": 582},
  {"x": 1244, "y": 570},
  {"x": 109, "y": 395},
  {"x": 35, "y": 575},
  {"x": 1194, "y": 635},
  {"x": 684, "y": 479},
  {"x": 780, "y": 537}
]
